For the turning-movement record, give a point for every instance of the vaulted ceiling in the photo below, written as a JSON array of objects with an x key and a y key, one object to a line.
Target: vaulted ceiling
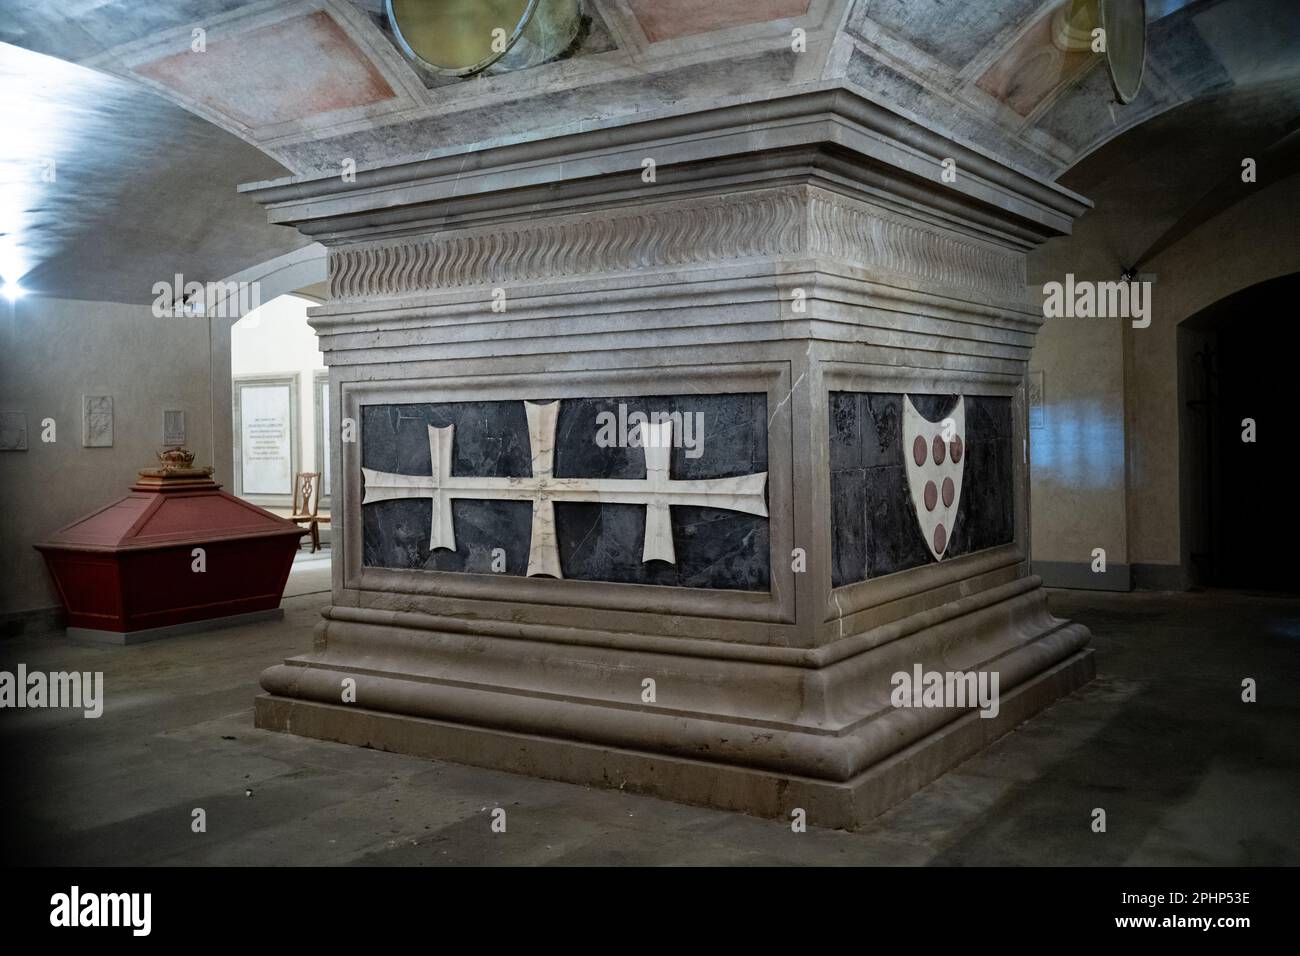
[
  {"x": 106, "y": 189},
  {"x": 310, "y": 84}
]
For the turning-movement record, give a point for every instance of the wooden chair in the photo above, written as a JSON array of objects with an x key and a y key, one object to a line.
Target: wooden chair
[{"x": 306, "y": 505}]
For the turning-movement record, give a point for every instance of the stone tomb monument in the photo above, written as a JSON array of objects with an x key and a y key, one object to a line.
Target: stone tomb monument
[{"x": 658, "y": 485}]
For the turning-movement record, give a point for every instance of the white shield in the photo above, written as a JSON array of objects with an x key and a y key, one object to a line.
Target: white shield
[{"x": 935, "y": 453}]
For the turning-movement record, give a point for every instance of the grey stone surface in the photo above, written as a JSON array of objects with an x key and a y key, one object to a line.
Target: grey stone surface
[
  {"x": 97, "y": 636},
  {"x": 952, "y": 32},
  {"x": 869, "y": 74}
]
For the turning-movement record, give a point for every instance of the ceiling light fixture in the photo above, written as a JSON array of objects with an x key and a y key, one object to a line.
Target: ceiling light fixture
[
  {"x": 464, "y": 37},
  {"x": 1076, "y": 24}
]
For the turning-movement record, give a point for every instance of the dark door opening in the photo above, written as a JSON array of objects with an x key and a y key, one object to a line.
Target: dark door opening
[{"x": 1241, "y": 364}]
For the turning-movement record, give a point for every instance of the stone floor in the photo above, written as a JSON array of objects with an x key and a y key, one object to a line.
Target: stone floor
[{"x": 1186, "y": 772}]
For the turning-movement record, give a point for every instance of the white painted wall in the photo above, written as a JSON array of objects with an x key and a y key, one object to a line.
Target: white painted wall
[{"x": 275, "y": 339}]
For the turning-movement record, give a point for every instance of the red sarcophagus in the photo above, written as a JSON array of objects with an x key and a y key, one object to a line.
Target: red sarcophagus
[{"x": 131, "y": 572}]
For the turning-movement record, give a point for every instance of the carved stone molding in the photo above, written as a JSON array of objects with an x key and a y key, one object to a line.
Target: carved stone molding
[
  {"x": 756, "y": 224},
  {"x": 772, "y": 223},
  {"x": 869, "y": 237}
]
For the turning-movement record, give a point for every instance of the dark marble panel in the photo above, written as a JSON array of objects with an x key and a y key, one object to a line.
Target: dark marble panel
[
  {"x": 846, "y": 430},
  {"x": 894, "y": 541},
  {"x": 986, "y": 520},
  {"x": 395, "y": 534},
  {"x": 714, "y": 549},
  {"x": 880, "y": 444},
  {"x": 874, "y": 530},
  {"x": 491, "y": 439},
  {"x": 597, "y": 542},
  {"x": 848, "y": 525},
  {"x": 732, "y": 437}
]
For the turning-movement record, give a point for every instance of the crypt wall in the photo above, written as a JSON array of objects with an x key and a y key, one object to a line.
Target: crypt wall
[
  {"x": 57, "y": 350},
  {"x": 1107, "y": 466},
  {"x": 1256, "y": 240}
]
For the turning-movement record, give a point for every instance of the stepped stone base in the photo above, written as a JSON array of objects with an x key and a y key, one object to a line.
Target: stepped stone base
[
  {"x": 848, "y": 331},
  {"x": 846, "y": 756}
]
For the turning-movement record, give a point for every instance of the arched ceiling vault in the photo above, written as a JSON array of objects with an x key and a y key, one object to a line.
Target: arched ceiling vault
[
  {"x": 1158, "y": 183},
  {"x": 106, "y": 189},
  {"x": 312, "y": 82},
  {"x": 315, "y": 83}
]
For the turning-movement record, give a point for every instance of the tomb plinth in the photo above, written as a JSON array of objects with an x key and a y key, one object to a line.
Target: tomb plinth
[
  {"x": 129, "y": 571},
  {"x": 675, "y": 442}
]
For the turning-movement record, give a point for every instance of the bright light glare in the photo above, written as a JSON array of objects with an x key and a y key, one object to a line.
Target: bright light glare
[{"x": 12, "y": 291}]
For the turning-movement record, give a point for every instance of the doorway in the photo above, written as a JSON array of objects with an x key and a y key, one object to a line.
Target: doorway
[
  {"x": 1239, "y": 363},
  {"x": 280, "y": 410}
]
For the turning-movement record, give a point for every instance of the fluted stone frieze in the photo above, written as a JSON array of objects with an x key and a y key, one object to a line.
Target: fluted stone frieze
[
  {"x": 866, "y": 236},
  {"x": 774, "y": 223}
]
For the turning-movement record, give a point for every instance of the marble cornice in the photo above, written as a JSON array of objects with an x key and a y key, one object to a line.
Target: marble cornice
[{"x": 820, "y": 136}]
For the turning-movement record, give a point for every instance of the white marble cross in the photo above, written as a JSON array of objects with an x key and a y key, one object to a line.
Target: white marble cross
[{"x": 657, "y": 491}]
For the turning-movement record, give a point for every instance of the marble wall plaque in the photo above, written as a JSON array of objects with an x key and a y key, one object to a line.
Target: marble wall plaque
[
  {"x": 266, "y": 439},
  {"x": 722, "y": 547},
  {"x": 97, "y": 421},
  {"x": 875, "y": 529},
  {"x": 173, "y": 427}
]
